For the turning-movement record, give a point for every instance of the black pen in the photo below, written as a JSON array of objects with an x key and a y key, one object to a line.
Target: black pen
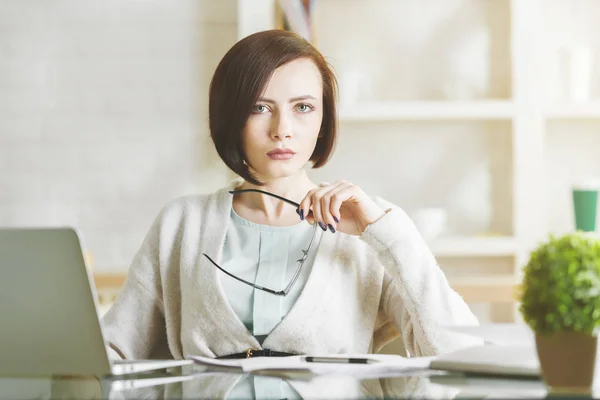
[{"x": 339, "y": 360}]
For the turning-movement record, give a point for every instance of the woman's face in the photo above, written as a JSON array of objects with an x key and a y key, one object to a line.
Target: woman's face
[{"x": 281, "y": 133}]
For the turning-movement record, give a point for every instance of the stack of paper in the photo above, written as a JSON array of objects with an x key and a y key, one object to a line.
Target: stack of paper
[{"x": 509, "y": 351}]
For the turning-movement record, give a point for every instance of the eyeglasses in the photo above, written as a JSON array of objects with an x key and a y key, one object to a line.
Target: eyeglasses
[{"x": 300, "y": 261}]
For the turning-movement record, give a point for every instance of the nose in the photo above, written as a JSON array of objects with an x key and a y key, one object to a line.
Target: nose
[{"x": 281, "y": 127}]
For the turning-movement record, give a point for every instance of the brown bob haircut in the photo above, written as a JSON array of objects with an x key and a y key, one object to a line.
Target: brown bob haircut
[{"x": 242, "y": 76}]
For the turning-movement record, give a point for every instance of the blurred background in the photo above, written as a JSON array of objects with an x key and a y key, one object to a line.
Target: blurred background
[{"x": 475, "y": 116}]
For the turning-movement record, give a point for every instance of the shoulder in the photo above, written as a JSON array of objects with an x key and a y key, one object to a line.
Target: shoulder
[
  {"x": 186, "y": 204},
  {"x": 195, "y": 207},
  {"x": 183, "y": 207}
]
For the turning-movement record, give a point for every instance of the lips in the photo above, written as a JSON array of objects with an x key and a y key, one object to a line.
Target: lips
[{"x": 280, "y": 152}]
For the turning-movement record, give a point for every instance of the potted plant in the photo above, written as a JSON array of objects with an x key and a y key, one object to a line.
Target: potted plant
[{"x": 560, "y": 301}]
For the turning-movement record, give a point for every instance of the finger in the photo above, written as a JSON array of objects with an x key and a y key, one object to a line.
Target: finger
[
  {"x": 315, "y": 200},
  {"x": 312, "y": 201},
  {"x": 342, "y": 193},
  {"x": 309, "y": 218},
  {"x": 328, "y": 218},
  {"x": 316, "y": 206},
  {"x": 304, "y": 208}
]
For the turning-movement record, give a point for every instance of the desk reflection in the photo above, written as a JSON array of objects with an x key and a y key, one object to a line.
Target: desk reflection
[
  {"x": 224, "y": 386},
  {"x": 234, "y": 386},
  {"x": 229, "y": 386},
  {"x": 194, "y": 384}
]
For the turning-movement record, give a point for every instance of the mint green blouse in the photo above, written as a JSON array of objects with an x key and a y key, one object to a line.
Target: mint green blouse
[{"x": 265, "y": 255}]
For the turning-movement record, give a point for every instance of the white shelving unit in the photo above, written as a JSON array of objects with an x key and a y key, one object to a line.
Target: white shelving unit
[
  {"x": 521, "y": 34},
  {"x": 497, "y": 289},
  {"x": 573, "y": 111},
  {"x": 428, "y": 110}
]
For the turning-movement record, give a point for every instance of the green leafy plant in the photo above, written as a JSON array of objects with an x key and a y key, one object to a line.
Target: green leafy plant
[{"x": 561, "y": 285}]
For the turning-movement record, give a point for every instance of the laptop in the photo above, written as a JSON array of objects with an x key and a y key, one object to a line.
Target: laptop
[
  {"x": 89, "y": 387},
  {"x": 48, "y": 309}
]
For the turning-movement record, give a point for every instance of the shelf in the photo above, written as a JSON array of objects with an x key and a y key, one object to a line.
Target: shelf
[
  {"x": 474, "y": 247},
  {"x": 574, "y": 111},
  {"x": 109, "y": 280},
  {"x": 428, "y": 110},
  {"x": 486, "y": 289}
]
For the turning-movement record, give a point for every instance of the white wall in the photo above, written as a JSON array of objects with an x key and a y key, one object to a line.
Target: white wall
[{"x": 103, "y": 109}]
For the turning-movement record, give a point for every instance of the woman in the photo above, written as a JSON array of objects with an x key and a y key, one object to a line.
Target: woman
[{"x": 246, "y": 274}]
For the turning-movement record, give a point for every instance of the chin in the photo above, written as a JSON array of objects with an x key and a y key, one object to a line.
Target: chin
[
  {"x": 281, "y": 173},
  {"x": 277, "y": 169}
]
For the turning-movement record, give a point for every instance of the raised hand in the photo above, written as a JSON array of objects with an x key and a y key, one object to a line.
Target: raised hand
[{"x": 340, "y": 206}]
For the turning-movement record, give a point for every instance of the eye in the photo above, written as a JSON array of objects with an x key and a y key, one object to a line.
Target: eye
[
  {"x": 304, "y": 108},
  {"x": 260, "y": 109}
]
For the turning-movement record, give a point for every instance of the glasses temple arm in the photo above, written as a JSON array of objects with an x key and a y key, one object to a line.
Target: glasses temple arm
[
  {"x": 267, "y": 193},
  {"x": 242, "y": 280}
]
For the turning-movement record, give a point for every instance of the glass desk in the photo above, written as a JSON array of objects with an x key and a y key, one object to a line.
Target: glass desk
[{"x": 197, "y": 382}]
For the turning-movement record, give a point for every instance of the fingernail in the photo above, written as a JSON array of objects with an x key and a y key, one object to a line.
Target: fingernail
[
  {"x": 337, "y": 221},
  {"x": 302, "y": 214},
  {"x": 322, "y": 225},
  {"x": 331, "y": 228}
]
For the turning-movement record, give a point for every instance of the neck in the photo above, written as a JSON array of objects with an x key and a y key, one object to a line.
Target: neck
[{"x": 270, "y": 208}]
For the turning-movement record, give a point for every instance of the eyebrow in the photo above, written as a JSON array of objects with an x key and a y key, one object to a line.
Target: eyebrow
[{"x": 293, "y": 99}]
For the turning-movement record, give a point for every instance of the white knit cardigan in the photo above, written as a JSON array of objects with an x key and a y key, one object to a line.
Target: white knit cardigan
[{"x": 362, "y": 292}]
